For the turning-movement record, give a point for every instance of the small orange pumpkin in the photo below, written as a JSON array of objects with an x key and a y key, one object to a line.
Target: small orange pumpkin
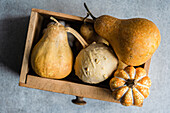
[{"x": 130, "y": 86}]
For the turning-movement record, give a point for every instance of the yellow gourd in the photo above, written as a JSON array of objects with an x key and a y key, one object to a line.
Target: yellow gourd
[{"x": 52, "y": 56}]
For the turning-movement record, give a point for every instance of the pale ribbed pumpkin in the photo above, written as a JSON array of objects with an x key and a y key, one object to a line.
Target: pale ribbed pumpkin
[{"x": 130, "y": 86}]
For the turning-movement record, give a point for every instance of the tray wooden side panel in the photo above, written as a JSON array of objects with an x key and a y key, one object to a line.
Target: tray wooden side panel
[
  {"x": 61, "y": 15},
  {"x": 66, "y": 87},
  {"x": 33, "y": 31}
]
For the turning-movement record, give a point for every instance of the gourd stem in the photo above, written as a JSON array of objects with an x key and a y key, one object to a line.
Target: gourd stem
[
  {"x": 89, "y": 11},
  {"x": 52, "y": 18},
  {"x": 78, "y": 36},
  {"x": 84, "y": 19}
]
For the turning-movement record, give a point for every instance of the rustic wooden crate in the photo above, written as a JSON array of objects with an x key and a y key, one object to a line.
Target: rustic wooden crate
[{"x": 70, "y": 85}]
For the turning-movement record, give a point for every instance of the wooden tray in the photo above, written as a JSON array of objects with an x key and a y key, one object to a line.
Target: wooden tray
[{"x": 70, "y": 85}]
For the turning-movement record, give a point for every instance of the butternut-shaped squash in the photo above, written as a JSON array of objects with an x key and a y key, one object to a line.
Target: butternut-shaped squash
[{"x": 133, "y": 40}]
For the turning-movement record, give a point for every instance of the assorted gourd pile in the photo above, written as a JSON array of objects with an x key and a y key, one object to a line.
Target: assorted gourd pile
[{"x": 133, "y": 40}]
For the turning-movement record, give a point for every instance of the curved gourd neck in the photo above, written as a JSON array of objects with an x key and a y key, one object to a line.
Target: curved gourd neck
[{"x": 107, "y": 26}]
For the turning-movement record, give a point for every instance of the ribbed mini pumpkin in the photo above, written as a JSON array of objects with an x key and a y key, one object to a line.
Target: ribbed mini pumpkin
[{"x": 130, "y": 86}]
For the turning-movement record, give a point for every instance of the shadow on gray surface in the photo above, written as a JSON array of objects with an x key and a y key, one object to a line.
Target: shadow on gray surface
[{"x": 13, "y": 34}]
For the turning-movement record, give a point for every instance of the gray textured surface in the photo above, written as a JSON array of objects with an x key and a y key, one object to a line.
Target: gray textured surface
[{"x": 14, "y": 17}]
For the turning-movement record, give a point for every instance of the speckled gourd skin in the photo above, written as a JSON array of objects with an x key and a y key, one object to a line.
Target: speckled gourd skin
[
  {"x": 134, "y": 93},
  {"x": 133, "y": 40},
  {"x": 52, "y": 56}
]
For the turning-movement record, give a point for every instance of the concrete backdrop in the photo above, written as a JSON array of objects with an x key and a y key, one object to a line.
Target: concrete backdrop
[{"x": 14, "y": 18}]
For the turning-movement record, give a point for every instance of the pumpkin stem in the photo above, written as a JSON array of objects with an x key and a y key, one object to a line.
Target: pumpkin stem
[
  {"x": 131, "y": 83},
  {"x": 52, "y": 18},
  {"x": 89, "y": 11}
]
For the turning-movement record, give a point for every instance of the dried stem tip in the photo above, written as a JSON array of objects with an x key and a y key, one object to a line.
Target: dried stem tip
[{"x": 52, "y": 18}]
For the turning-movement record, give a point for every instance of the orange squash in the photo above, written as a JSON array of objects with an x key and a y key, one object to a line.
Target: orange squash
[
  {"x": 133, "y": 40},
  {"x": 130, "y": 86}
]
